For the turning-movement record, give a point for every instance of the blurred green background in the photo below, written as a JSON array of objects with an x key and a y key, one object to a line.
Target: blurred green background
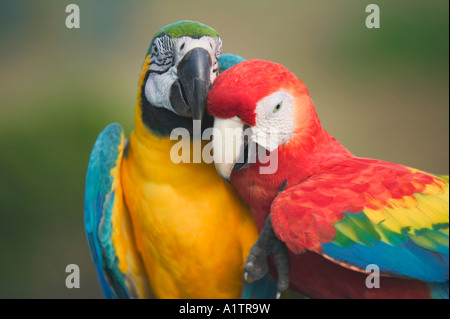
[{"x": 382, "y": 92}]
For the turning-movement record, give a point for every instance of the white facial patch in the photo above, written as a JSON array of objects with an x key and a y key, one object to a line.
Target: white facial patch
[
  {"x": 157, "y": 88},
  {"x": 164, "y": 66},
  {"x": 274, "y": 120},
  {"x": 211, "y": 45}
]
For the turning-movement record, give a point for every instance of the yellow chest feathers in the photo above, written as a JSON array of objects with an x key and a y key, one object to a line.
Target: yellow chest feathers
[{"x": 192, "y": 230}]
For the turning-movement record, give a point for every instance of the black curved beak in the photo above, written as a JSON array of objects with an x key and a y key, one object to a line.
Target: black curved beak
[{"x": 189, "y": 93}]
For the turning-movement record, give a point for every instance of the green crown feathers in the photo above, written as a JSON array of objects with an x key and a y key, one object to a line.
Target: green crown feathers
[{"x": 188, "y": 28}]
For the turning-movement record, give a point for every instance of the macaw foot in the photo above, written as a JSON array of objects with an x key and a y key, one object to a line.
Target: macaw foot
[{"x": 256, "y": 265}]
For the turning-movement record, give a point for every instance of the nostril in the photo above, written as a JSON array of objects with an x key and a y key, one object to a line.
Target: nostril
[{"x": 182, "y": 47}]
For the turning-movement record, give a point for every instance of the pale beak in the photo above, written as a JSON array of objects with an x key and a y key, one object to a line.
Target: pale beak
[{"x": 228, "y": 145}]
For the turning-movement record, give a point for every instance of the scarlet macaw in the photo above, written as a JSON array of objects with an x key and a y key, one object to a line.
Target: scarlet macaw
[
  {"x": 157, "y": 228},
  {"x": 324, "y": 213}
]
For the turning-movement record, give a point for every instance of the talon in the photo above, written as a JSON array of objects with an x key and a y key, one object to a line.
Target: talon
[
  {"x": 247, "y": 278},
  {"x": 256, "y": 270},
  {"x": 282, "y": 285},
  {"x": 281, "y": 258},
  {"x": 256, "y": 265}
]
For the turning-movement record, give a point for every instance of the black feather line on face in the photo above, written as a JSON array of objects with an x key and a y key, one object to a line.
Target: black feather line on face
[
  {"x": 165, "y": 62},
  {"x": 162, "y": 54},
  {"x": 157, "y": 72}
]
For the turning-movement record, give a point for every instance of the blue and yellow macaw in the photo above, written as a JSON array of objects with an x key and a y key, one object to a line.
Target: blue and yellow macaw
[{"x": 157, "y": 228}]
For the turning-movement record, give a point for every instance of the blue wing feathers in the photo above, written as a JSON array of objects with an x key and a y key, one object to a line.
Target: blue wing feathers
[
  {"x": 406, "y": 260},
  {"x": 99, "y": 202}
]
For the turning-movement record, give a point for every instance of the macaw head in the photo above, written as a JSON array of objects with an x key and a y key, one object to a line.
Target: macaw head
[
  {"x": 258, "y": 102},
  {"x": 178, "y": 72}
]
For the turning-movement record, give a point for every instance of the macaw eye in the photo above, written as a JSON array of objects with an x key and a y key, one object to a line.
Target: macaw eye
[{"x": 277, "y": 108}]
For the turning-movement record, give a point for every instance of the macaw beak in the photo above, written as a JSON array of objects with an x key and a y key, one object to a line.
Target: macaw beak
[
  {"x": 229, "y": 146},
  {"x": 189, "y": 93}
]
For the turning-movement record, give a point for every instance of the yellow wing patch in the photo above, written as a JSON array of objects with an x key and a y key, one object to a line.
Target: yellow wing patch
[{"x": 413, "y": 214}]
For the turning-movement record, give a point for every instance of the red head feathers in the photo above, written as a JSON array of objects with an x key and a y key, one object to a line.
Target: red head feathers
[{"x": 237, "y": 90}]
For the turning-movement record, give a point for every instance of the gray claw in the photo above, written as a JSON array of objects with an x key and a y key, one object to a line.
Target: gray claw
[
  {"x": 256, "y": 265},
  {"x": 281, "y": 258}
]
